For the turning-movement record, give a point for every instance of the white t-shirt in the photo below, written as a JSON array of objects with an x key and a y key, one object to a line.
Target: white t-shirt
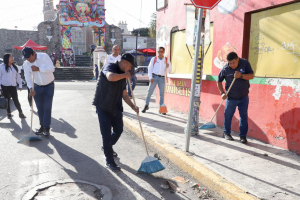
[
  {"x": 112, "y": 59},
  {"x": 159, "y": 68}
]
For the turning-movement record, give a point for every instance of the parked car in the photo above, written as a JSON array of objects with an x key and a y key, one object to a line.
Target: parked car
[{"x": 142, "y": 74}]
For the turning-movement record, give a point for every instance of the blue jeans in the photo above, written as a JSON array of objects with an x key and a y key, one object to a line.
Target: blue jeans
[
  {"x": 230, "y": 108},
  {"x": 43, "y": 100},
  {"x": 133, "y": 84},
  {"x": 160, "y": 81},
  {"x": 109, "y": 138}
]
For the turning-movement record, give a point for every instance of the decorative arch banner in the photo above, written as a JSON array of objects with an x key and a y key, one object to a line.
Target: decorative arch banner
[
  {"x": 81, "y": 13},
  {"x": 274, "y": 49}
]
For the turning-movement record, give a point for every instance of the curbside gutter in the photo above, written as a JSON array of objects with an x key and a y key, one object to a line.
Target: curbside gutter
[{"x": 210, "y": 179}]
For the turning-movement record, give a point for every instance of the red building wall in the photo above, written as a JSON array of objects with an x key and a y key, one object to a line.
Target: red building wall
[{"x": 272, "y": 120}]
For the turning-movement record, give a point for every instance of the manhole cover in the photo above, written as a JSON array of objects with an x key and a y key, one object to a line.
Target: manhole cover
[{"x": 69, "y": 190}]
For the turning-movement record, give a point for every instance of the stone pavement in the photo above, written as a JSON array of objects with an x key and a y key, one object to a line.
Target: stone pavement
[{"x": 255, "y": 170}]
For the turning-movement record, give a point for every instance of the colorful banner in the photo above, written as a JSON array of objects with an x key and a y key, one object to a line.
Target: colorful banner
[{"x": 82, "y": 13}]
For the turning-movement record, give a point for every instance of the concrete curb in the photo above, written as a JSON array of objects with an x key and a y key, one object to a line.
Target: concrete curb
[{"x": 210, "y": 179}]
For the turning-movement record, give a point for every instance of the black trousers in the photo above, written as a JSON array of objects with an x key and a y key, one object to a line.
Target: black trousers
[
  {"x": 11, "y": 91},
  {"x": 29, "y": 97}
]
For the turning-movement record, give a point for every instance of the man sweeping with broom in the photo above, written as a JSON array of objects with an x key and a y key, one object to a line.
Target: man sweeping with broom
[
  {"x": 111, "y": 88},
  {"x": 157, "y": 71}
]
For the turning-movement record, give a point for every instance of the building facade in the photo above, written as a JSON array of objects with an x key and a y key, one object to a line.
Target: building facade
[{"x": 266, "y": 33}]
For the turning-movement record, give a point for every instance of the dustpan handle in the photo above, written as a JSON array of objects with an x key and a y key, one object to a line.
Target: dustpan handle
[
  {"x": 129, "y": 83},
  {"x": 223, "y": 99}
]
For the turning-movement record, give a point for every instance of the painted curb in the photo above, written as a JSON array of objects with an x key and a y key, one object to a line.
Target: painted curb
[{"x": 210, "y": 179}]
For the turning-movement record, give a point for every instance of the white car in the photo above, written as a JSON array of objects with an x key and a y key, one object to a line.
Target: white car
[{"x": 141, "y": 74}]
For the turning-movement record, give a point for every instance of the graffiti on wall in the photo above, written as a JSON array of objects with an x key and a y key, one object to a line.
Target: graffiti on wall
[
  {"x": 163, "y": 39},
  {"x": 292, "y": 48},
  {"x": 221, "y": 58},
  {"x": 228, "y": 6}
]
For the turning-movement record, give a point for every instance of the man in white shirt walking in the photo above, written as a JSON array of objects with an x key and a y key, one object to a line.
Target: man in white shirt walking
[
  {"x": 40, "y": 65},
  {"x": 157, "y": 70},
  {"x": 114, "y": 57}
]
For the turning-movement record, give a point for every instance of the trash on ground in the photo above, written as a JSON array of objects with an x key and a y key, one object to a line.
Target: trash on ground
[
  {"x": 157, "y": 156},
  {"x": 195, "y": 185},
  {"x": 180, "y": 179},
  {"x": 174, "y": 187},
  {"x": 165, "y": 185}
]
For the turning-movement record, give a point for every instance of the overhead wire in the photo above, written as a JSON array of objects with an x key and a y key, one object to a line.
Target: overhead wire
[{"x": 127, "y": 13}]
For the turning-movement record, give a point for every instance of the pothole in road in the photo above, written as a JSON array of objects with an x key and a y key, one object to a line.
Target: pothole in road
[{"x": 73, "y": 190}]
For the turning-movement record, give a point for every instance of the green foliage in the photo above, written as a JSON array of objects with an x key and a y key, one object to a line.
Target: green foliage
[
  {"x": 144, "y": 32},
  {"x": 152, "y": 26}
]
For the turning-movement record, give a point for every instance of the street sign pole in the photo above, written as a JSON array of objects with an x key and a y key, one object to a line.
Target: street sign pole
[{"x": 195, "y": 92}]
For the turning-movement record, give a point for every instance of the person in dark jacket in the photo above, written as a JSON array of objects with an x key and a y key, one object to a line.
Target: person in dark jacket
[
  {"x": 240, "y": 69},
  {"x": 111, "y": 88}
]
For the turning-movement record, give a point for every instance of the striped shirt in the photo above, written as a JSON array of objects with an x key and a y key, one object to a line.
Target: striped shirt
[{"x": 10, "y": 78}]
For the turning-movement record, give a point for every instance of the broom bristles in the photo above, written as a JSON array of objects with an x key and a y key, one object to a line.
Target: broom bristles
[
  {"x": 208, "y": 125},
  {"x": 163, "y": 109},
  {"x": 150, "y": 165}
]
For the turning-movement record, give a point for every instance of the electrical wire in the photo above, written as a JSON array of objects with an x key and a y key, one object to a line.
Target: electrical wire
[{"x": 127, "y": 13}]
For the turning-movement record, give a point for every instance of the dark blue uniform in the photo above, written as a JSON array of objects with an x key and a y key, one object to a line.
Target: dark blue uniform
[
  {"x": 237, "y": 96},
  {"x": 108, "y": 102}
]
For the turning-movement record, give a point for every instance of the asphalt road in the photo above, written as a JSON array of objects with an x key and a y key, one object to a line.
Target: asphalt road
[{"x": 73, "y": 151}]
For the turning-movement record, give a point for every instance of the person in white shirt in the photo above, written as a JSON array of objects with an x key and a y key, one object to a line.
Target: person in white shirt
[
  {"x": 157, "y": 70},
  {"x": 42, "y": 66},
  {"x": 114, "y": 57},
  {"x": 9, "y": 78}
]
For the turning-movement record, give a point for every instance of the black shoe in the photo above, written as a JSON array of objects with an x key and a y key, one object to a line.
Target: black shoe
[
  {"x": 243, "y": 139},
  {"x": 40, "y": 131},
  {"x": 146, "y": 108},
  {"x": 114, "y": 153},
  {"x": 113, "y": 166},
  {"x": 22, "y": 116},
  {"x": 9, "y": 116},
  {"x": 163, "y": 113},
  {"x": 47, "y": 132},
  {"x": 228, "y": 137}
]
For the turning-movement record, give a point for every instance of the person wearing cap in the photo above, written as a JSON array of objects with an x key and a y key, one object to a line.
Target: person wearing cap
[
  {"x": 157, "y": 70},
  {"x": 43, "y": 68},
  {"x": 111, "y": 89},
  {"x": 114, "y": 57}
]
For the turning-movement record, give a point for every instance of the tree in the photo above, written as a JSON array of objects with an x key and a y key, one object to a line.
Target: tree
[
  {"x": 152, "y": 26},
  {"x": 144, "y": 32}
]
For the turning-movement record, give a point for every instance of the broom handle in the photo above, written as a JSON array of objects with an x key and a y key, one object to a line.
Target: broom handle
[
  {"x": 223, "y": 99},
  {"x": 32, "y": 103},
  {"x": 129, "y": 83}
]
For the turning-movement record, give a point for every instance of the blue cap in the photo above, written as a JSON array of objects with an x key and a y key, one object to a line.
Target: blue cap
[{"x": 27, "y": 51}]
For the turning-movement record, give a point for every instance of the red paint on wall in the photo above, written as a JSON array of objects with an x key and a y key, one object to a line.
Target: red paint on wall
[{"x": 273, "y": 121}]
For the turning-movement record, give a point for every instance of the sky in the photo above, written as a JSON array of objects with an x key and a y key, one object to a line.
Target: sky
[{"x": 27, "y": 14}]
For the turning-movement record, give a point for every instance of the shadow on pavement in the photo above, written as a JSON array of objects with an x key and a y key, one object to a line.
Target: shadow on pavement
[
  {"x": 86, "y": 168},
  {"x": 154, "y": 181},
  {"x": 165, "y": 126},
  {"x": 252, "y": 177}
]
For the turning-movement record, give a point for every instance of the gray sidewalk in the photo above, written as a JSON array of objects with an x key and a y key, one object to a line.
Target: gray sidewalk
[{"x": 259, "y": 169}]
